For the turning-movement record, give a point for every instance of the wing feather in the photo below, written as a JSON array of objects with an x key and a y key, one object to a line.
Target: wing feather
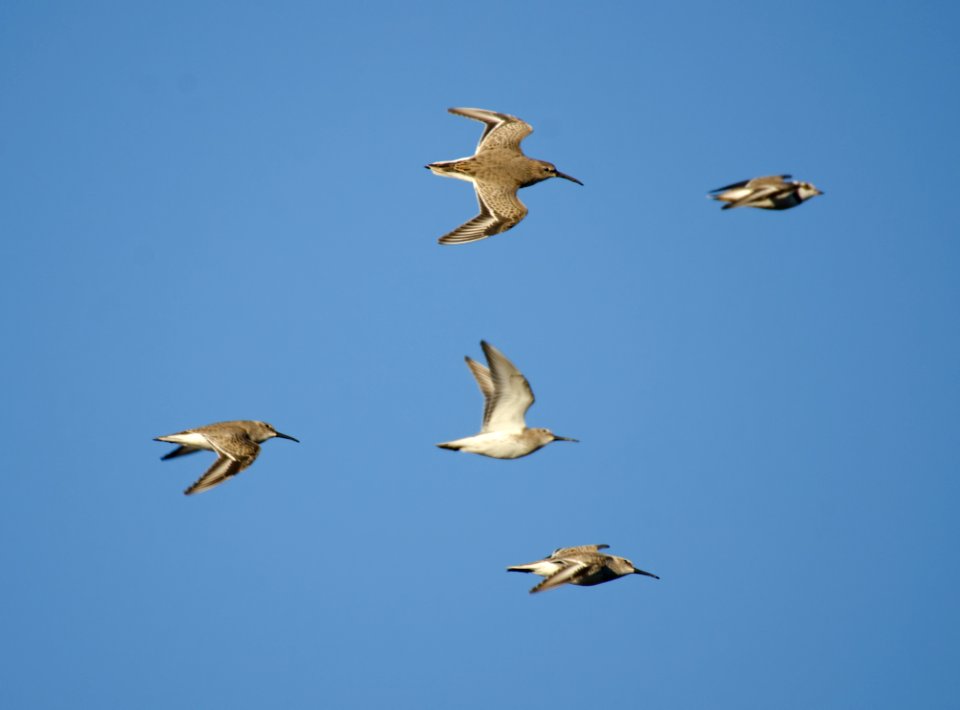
[
  {"x": 512, "y": 395},
  {"x": 501, "y": 129},
  {"x": 570, "y": 571},
  {"x": 500, "y": 210}
]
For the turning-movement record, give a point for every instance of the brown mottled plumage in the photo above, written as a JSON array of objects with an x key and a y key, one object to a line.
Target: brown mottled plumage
[
  {"x": 236, "y": 443},
  {"x": 497, "y": 170},
  {"x": 583, "y": 566}
]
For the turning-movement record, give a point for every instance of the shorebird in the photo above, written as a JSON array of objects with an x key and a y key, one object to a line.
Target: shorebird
[
  {"x": 772, "y": 192},
  {"x": 507, "y": 397},
  {"x": 497, "y": 170},
  {"x": 236, "y": 444},
  {"x": 584, "y": 566}
]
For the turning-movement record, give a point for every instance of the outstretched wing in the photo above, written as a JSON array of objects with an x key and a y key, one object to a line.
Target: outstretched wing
[
  {"x": 512, "y": 396},
  {"x": 756, "y": 195},
  {"x": 221, "y": 470},
  {"x": 500, "y": 210},
  {"x": 754, "y": 182},
  {"x": 569, "y": 572},
  {"x": 564, "y": 551},
  {"x": 180, "y": 451},
  {"x": 235, "y": 451},
  {"x": 769, "y": 181},
  {"x": 502, "y": 130}
]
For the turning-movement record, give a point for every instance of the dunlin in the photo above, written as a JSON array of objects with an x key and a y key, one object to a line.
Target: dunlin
[
  {"x": 773, "y": 192},
  {"x": 497, "y": 170},
  {"x": 236, "y": 444},
  {"x": 507, "y": 396},
  {"x": 584, "y": 566}
]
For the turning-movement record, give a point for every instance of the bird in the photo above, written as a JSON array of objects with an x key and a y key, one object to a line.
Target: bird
[
  {"x": 772, "y": 192},
  {"x": 497, "y": 170},
  {"x": 583, "y": 565},
  {"x": 507, "y": 397},
  {"x": 236, "y": 443}
]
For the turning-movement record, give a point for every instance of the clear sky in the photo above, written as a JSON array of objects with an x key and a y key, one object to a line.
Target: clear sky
[{"x": 218, "y": 210}]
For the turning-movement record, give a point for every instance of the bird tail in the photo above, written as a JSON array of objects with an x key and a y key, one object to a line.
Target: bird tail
[
  {"x": 442, "y": 167},
  {"x": 520, "y": 568}
]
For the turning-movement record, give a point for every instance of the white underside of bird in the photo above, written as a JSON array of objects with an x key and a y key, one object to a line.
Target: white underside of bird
[{"x": 498, "y": 444}]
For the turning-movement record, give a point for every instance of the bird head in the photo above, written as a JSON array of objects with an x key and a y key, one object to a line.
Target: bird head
[
  {"x": 545, "y": 171},
  {"x": 805, "y": 191},
  {"x": 266, "y": 431},
  {"x": 546, "y": 436}
]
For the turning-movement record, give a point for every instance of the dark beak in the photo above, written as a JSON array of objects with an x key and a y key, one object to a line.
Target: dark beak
[
  {"x": 563, "y": 438},
  {"x": 568, "y": 177},
  {"x": 646, "y": 574},
  {"x": 284, "y": 436}
]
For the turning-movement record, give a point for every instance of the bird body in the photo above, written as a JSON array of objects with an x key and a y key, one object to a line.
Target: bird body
[
  {"x": 771, "y": 192},
  {"x": 497, "y": 170},
  {"x": 584, "y": 566},
  {"x": 507, "y": 397},
  {"x": 503, "y": 445},
  {"x": 236, "y": 443}
]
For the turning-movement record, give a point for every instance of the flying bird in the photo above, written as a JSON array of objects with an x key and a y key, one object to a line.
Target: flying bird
[
  {"x": 773, "y": 192},
  {"x": 497, "y": 170},
  {"x": 584, "y": 566},
  {"x": 237, "y": 445},
  {"x": 507, "y": 397}
]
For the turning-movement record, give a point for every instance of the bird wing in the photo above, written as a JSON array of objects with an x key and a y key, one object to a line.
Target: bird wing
[
  {"x": 564, "y": 551},
  {"x": 500, "y": 210},
  {"x": 502, "y": 130},
  {"x": 768, "y": 180},
  {"x": 482, "y": 375},
  {"x": 571, "y": 570},
  {"x": 512, "y": 396},
  {"x": 758, "y": 194},
  {"x": 235, "y": 451},
  {"x": 180, "y": 451},
  {"x": 754, "y": 182},
  {"x": 222, "y": 469}
]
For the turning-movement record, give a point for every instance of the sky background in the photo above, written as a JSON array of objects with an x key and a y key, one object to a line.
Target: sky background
[{"x": 218, "y": 210}]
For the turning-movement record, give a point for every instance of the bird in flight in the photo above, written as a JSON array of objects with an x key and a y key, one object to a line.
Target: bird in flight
[
  {"x": 772, "y": 192},
  {"x": 584, "y": 566},
  {"x": 236, "y": 444},
  {"x": 497, "y": 170},
  {"x": 507, "y": 397}
]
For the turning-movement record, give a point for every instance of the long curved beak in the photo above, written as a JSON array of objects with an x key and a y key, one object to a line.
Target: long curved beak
[
  {"x": 646, "y": 574},
  {"x": 568, "y": 177},
  {"x": 285, "y": 436},
  {"x": 564, "y": 438}
]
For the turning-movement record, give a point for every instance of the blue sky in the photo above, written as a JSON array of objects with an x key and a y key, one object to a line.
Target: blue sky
[{"x": 219, "y": 211}]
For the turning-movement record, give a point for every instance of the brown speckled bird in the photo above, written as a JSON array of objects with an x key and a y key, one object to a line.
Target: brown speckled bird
[
  {"x": 497, "y": 170},
  {"x": 583, "y": 565}
]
